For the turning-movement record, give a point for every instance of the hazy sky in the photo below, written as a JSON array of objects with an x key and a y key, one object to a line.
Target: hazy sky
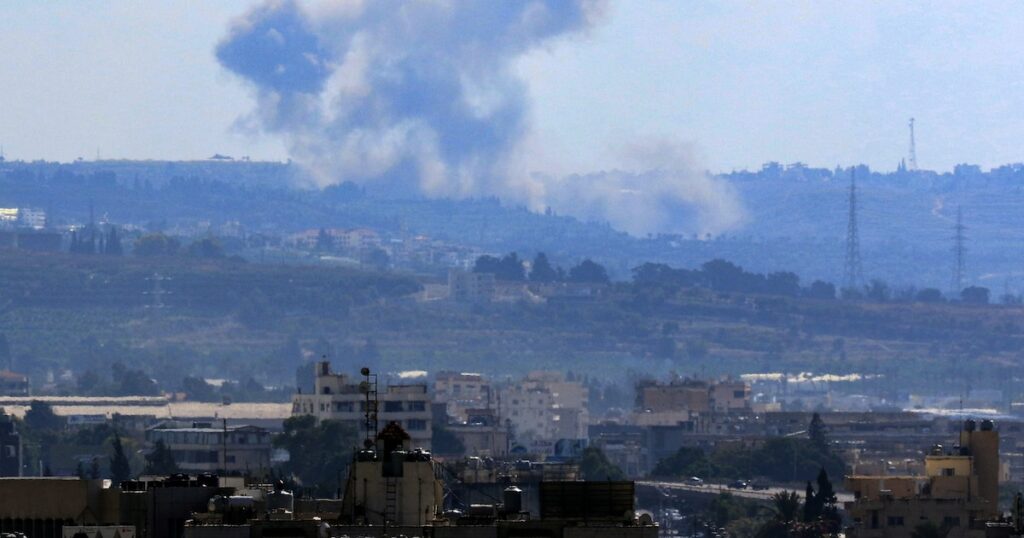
[{"x": 744, "y": 83}]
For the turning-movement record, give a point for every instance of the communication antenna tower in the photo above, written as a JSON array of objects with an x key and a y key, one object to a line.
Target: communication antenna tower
[
  {"x": 912, "y": 158},
  {"x": 958, "y": 253},
  {"x": 853, "y": 273},
  {"x": 369, "y": 389}
]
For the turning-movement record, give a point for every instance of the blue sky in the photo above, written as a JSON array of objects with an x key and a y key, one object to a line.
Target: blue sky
[{"x": 742, "y": 83}]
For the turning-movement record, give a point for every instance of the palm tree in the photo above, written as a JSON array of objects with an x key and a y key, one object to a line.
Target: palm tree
[{"x": 787, "y": 505}]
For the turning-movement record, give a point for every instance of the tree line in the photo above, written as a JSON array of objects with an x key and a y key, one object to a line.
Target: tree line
[{"x": 511, "y": 268}]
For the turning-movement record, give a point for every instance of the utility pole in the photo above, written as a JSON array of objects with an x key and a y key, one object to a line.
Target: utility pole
[
  {"x": 958, "y": 254},
  {"x": 912, "y": 158},
  {"x": 853, "y": 273}
]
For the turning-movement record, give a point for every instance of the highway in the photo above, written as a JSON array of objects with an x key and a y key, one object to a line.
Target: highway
[{"x": 714, "y": 489}]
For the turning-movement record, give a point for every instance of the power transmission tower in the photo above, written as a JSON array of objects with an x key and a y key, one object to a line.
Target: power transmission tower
[
  {"x": 959, "y": 250},
  {"x": 912, "y": 158},
  {"x": 853, "y": 273}
]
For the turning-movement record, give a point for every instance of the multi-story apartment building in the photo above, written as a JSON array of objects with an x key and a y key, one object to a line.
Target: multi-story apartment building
[
  {"x": 461, "y": 392},
  {"x": 205, "y": 448},
  {"x": 340, "y": 397},
  {"x": 546, "y": 406}
]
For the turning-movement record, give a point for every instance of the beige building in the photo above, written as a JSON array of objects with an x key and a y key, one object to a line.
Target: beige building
[
  {"x": 959, "y": 491},
  {"x": 545, "y": 406},
  {"x": 205, "y": 448},
  {"x": 393, "y": 484},
  {"x": 339, "y": 397},
  {"x": 461, "y": 392}
]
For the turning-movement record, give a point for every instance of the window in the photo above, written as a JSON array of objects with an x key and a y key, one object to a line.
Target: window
[
  {"x": 948, "y": 471},
  {"x": 894, "y": 521},
  {"x": 418, "y": 406},
  {"x": 340, "y": 407},
  {"x": 326, "y": 390},
  {"x": 737, "y": 394},
  {"x": 392, "y": 407},
  {"x": 415, "y": 424}
]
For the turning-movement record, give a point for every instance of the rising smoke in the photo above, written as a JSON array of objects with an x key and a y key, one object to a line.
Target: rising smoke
[{"x": 421, "y": 95}]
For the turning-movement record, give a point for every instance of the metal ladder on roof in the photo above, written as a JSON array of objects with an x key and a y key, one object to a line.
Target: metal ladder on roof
[{"x": 391, "y": 500}]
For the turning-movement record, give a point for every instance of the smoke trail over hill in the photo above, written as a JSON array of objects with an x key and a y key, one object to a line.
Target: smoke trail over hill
[{"x": 421, "y": 95}]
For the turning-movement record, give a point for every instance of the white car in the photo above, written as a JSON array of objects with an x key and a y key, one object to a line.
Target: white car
[{"x": 695, "y": 481}]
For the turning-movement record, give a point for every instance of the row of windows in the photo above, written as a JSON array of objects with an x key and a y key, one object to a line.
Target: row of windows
[
  {"x": 389, "y": 407},
  {"x": 209, "y": 438}
]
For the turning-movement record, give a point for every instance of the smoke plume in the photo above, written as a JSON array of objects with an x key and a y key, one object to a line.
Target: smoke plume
[{"x": 421, "y": 95}]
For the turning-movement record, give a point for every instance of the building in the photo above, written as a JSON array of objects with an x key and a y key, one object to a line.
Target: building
[
  {"x": 545, "y": 406},
  {"x": 469, "y": 287},
  {"x": 10, "y": 447},
  {"x": 958, "y": 493},
  {"x": 13, "y": 384},
  {"x": 205, "y": 448},
  {"x": 460, "y": 392},
  {"x": 339, "y": 397}
]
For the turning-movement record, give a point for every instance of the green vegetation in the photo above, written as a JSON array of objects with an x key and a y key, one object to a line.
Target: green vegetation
[
  {"x": 594, "y": 465},
  {"x": 319, "y": 453}
]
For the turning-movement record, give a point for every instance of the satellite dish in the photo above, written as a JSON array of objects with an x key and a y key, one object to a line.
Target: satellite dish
[{"x": 364, "y": 371}]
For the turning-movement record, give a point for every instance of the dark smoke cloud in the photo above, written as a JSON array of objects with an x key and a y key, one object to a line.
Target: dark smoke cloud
[{"x": 415, "y": 93}]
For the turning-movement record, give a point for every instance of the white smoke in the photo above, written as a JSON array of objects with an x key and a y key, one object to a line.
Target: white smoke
[{"x": 421, "y": 95}]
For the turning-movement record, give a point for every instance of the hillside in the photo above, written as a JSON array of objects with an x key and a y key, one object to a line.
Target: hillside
[{"x": 239, "y": 320}]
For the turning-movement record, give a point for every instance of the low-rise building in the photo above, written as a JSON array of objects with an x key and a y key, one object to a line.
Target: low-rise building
[
  {"x": 13, "y": 384},
  {"x": 958, "y": 493},
  {"x": 340, "y": 397},
  {"x": 203, "y": 447}
]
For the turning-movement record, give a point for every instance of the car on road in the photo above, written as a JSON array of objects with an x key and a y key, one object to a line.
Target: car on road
[
  {"x": 695, "y": 481},
  {"x": 738, "y": 484}
]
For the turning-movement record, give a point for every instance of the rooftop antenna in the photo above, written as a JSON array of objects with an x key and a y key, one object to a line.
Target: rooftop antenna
[
  {"x": 912, "y": 158},
  {"x": 958, "y": 253},
  {"x": 853, "y": 273},
  {"x": 369, "y": 389}
]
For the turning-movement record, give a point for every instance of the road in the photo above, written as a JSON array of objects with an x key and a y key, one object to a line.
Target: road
[{"x": 714, "y": 489}]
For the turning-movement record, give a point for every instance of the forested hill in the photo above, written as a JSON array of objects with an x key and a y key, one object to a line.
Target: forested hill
[{"x": 796, "y": 215}]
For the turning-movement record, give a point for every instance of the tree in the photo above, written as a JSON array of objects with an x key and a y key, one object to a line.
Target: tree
[
  {"x": 817, "y": 432},
  {"x": 120, "y": 469},
  {"x": 41, "y": 418},
  {"x": 595, "y": 466},
  {"x": 686, "y": 461},
  {"x": 541, "y": 270},
  {"x": 974, "y": 295},
  {"x": 156, "y": 244},
  {"x": 510, "y": 267},
  {"x": 588, "y": 272},
  {"x": 112, "y": 245},
  {"x": 160, "y": 461},
  {"x": 206, "y": 248},
  {"x": 929, "y": 295},
  {"x": 198, "y": 389},
  {"x": 820, "y": 289},
  {"x": 319, "y": 454},
  {"x": 787, "y": 506},
  {"x": 443, "y": 441}
]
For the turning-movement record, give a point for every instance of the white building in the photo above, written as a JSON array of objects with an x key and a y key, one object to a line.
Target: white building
[
  {"x": 339, "y": 397},
  {"x": 544, "y": 406}
]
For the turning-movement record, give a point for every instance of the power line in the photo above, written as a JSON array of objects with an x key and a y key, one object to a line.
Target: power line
[{"x": 853, "y": 273}]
